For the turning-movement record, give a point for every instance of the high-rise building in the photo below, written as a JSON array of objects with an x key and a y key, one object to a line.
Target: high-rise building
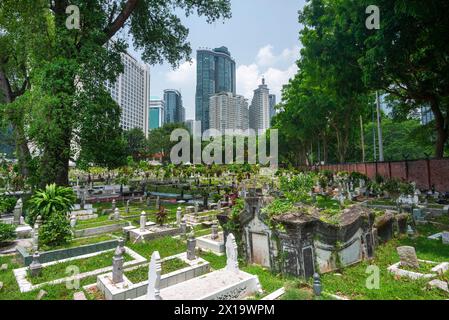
[
  {"x": 272, "y": 98},
  {"x": 426, "y": 115},
  {"x": 174, "y": 110},
  {"x": 215, "y": 73},
  {"x": 259, "y": 111},
  {"x": 131, "y": 91},
  {"x": 228, "y": 111},
  {"x": 156, "y": 114}
]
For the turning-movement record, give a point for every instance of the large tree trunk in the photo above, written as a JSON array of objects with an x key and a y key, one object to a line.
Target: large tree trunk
[
  {"x": 15, "y": 117},
  {"x": 442, "y": 128}
]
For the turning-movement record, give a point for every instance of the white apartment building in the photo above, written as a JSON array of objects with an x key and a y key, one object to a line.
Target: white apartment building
[
  {"x": 228, "y": 111},
  {"x": 132, "y": 92},
  {"x": 259, "y": 111}
]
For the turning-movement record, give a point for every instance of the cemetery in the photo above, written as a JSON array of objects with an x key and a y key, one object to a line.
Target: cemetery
[{"x": 224, "y": 233}]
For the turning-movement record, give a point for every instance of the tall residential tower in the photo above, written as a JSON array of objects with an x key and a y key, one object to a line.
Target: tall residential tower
[
  {"x": 215, "y": 73},
  {"x": 259, "y": 111},
  {"x": 174, "y": 109},
  {"x": 131, "y": 91}
]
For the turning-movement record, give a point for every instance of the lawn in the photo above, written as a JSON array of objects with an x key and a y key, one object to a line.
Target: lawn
[
  {"x": 58, "y": 270},
  {"x": 10, "y": 290},
  {"x": 351, "y": 282},
  {"x": 81, "y": 242},
  {"x": 141, "y": 274},
  {"x": 167, "y": 246}
]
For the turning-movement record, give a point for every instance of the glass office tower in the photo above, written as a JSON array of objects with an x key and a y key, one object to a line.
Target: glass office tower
[{"x": 215, "y": 73}]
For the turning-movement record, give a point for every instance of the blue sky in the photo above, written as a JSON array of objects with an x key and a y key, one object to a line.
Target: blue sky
[{"x": 262, "y": 36}]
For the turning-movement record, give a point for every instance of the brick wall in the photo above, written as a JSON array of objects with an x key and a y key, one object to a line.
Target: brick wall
[{"x": 424, "y": 172}]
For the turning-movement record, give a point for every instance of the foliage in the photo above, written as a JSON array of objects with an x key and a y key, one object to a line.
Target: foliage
[
  {"x": 298, "y": 187},
  {"x": 7, "y": 232},
  {"x": 278, "y": 207},
  {"x": 55, "y": 231},
  {"x": 7, "y": 204},
  {"x": 58, "y": 75},
  {"x": 161, "y": 216},
  {"x": 53, "y": 200}
]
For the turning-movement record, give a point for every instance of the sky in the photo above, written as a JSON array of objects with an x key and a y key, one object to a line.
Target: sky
[{"x": 262, "y": 36}]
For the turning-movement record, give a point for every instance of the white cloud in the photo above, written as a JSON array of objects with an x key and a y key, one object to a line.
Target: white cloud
[
  {"x": 185, "y": 74},
  {"x": 277, "y": 70}
]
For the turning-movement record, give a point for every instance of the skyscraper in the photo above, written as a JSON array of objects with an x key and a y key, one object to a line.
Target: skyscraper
[
  {"x": 156, "y": 114},
  {"x": 215, "y": 73},
  {"x": 228, "y": 111},
  {"x": 259, "y": 111},
  {"x": 174, "y": 109},
  {"x": 131, "y": 91}
]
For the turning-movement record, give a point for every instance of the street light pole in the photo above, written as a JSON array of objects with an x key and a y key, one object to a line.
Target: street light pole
[{"x": 379, "y": 129}]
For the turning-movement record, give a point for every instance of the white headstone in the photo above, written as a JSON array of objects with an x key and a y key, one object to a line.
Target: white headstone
[
  {"x": 154, "y": 277},
  {"x": 232, "y": 263},
  {"x": 143, "y": 221},
  {"x": 178, "y": 216},
  {"x": 445, "y": 237},
  {"x": 116, "y": 214}
]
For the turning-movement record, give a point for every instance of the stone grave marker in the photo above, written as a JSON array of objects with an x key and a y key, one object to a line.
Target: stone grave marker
[
  {"x": 143, "y": 221},
  {"x": 191, "y": 245},
  {"x": 445, "y": 237},
  {"x": 154, "y": 277},
  {"x": 127, "y": 207},
  {"x": 178, "y": 216},
  {"x": 113, "y": 205},
  {"x": 18, "y": 211},
  {"x": 116, "y": 214},
  {"x": 41, "y": 294},
  {"x": 117, "y": 265},
  {"x": 408, "y": 257},
  {"x": 214, "y": 234},
  {"x": 158, "y": 202},
  {"x": 232, "y": 263},
  {"x": 35, "y": 267}
]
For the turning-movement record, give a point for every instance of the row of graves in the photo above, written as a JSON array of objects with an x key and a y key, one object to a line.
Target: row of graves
[{"x": 306, "y": 240}]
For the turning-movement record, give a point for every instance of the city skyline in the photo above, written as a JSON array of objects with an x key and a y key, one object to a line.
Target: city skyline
[{"x": 258, "y": 50}]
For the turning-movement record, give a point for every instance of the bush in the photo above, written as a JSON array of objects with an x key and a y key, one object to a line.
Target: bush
[
  {"x": 7, "y": 204},
  {"x": 7, "y": 232},
  {"x": 55, "y": 231},
  {"x": 54, "y": 199}
]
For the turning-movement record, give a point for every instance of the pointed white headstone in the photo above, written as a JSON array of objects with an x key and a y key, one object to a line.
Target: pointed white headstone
[
  {"x": 154, "y": 277},
  {"x": 232, "y": 263}
]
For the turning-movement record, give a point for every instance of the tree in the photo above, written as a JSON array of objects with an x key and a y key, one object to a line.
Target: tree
[
  {"x": 136, "y": 144},
  {"x": 65, "y": 69},
  {"x": 159, "y": 140},
  {"x": 408, "y": 57}
]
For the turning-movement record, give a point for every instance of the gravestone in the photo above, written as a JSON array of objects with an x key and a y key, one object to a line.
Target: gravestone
[
  {"x": 35, "y": 267},
  {"x": 219, "y": 205},
  {"x": 196, "y": 207},
  {"x": 18, "y": 211},
  {"x": 117, "y": 214},
  {"x": 316, "y": 284},
  {"x": 143, "y": 221},
  {"x": 418, "y": 214},
  {"x": 36, "y": 233},
  {"x": 73, "y": 221},
  {"x": 158, "y": 203},
  {"x": 232, "y": 263},
  {"x": 117, "y": 265},
  {"x": 113, "y": 205},
  {"x": 191, "y": 244},
  {"x": 445, "y": 237},
  {"x": 183, "y": 227},
  {"x": 127, "y": 207},
  {"x": 408, "y": 257},
  {"x": 154, "y": 277},
  {"x": 214, "y": 235},
  {"x": 178, "y": 216}
]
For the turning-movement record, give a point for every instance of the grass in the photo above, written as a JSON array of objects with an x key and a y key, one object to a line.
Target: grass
[
  {"x": 141, "y": 274},
  {"x": 167, "y": 246},
  {"x": 81, "y": 242},
  {"x": 58, "y": 270},
  {"x": 102, "y": 220},
  {"x": 352, "y": 281},
  {"x": 11, "y": 290}
]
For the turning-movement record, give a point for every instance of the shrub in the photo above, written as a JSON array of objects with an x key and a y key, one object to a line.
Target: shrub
[
  {"x": 54, "y": 199},
  {"x": 161, "y": 216},
  {"x": 7, "y": 204},
  {"x": 55, "y": 231},
  {"x": 7, "y": 232}
]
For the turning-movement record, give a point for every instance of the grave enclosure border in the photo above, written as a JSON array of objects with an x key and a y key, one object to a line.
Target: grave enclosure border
[{"x": 49, "y": 256}]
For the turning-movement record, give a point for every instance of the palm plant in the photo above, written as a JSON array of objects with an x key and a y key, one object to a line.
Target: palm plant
[{"x": 53, "y": 199}]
